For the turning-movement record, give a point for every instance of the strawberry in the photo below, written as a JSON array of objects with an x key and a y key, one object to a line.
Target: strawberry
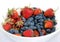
[
  {"x": 37, "y": 11},
  {"x": 14, "y": 14},
  {"x": 27, "y": 12},
  {"x": 36, "y": 33},
  {"x": 28, "y": 33},
  {"x": 49, "y": 13},
  {"x": 7, "y": 26},
  {"x": 48, "y": 24}
]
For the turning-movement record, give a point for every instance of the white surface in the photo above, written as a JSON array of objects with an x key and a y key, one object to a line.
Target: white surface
[
  {"x": 43, "y": 4},
  {"x": 3, "y": 38}
]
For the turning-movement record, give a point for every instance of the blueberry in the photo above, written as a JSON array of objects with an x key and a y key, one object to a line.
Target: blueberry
[
  {"x": 40, "y": 32},
  {"x": 53, "y": 29},
  {"x": 40, "y": 23},
  {"x": 24, "y": 28},
  {"x": 20, "y": 31},
  {"x": 13, "y": 31},
  {"x": 54, "y": 21},
  {"x": 41, "y": 27},
  {"x": 27, "y": 23},
  {"x": 30, "y": 19},
  {"x": 38, "y": 16},
  {"x": 32, "y": 27},
  {"x": 38, "y": 26},
  {"x": 32, "y": 23},
  {"x": 41, "y": 19},
  {"x": 35, "y": 21},
  {"x": 53, "y": 18},
  {"x": 48, "y": 30},
  {"x": 44, "y": 17},
  {"x": 23, "y": 19}
]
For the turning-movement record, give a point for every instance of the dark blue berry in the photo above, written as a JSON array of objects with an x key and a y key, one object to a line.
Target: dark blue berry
[
  {"x": 44, "y": 17},
  {"x": 40, "y": 32},
  {"x": 23, "y": 19},
  {"x": 40, "y": 23},
  {"x": 41, "y": 27},
  {"x": 27, "y": 23},
  {"x": 48, "y": 30},
  {"x": 24, "y": 28},
  {"x": 32, "y": 23},
  {"x": 13, "y": 31},
  {"x": 35, "y": 21},
  {"x": 32, "y": 27},
  {"x": 30, "y": 19},
  {"x": 53, "y": 29},
  {"x": 38, "y": 26},
  {"x": 38, "y": 16}
]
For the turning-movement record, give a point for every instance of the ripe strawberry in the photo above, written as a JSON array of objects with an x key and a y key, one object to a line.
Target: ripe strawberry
[
  {"x": 7, "y": 26},
  {"x": 37, "y": 11},
  {"x": 49, "y": 13},
  {"x": 27, "y": 12},
  {"x": 14, "y": 14},
  {"x": 36, "y": 33},
  {"x": 28, "y": 33},
  {"x": 48, "y": 24}
]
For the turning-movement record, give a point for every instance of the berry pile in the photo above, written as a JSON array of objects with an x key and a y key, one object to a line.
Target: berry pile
[{"x": 31, "y": 22}]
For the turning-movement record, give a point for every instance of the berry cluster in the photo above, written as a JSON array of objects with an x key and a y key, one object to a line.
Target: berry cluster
[{"x": 31, "y": 22}]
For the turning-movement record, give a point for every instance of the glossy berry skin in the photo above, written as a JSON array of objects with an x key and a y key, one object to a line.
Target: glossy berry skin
[
  {"x": 27, "y": 12},
  {"x": 37, "y": 11},
  {"x": 36, "y": 33},
  {"x": 39, "y": 16},
  {"x": 23, "y": 19},
  {"x": 7, "y": 26},
  {"x": 13, "y": 31},
  {"x": 30, "y": 19},
  {"x": 14, "y": 14},
  {"x": 28, "y": 33},
  {"x": 48, "y": 30},
  {"x": 32, "y": 27},
  {"x": 48, "y": 24},
  {"x": 49, "y": 13},
  {"x": 53, "y": 29}
]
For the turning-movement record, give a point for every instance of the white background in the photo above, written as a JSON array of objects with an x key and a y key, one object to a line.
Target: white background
[{"x": 43, "y": 4}]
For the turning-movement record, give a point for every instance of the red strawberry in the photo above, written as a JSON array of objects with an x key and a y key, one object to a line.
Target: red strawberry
[
  {"x": 14, "y": 14},
  {"x": 48, "y": 24},
  {"x": 28, "y": 33},
  {"x": 7, "y": 26},
  {"x": 37, "y": 11},
  {"x": 36, "y": 33},
  {"x": 49, "y": 12},
  {"x": 27, "y": 12}
]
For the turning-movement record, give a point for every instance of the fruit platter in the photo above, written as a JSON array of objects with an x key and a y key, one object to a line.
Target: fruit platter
[{"x": 30, "y": 22}]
